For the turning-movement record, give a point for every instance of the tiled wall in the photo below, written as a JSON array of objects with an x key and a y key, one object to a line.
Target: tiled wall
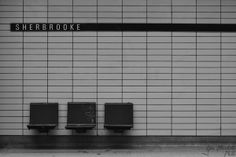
[{"x": 182, "y": 83}]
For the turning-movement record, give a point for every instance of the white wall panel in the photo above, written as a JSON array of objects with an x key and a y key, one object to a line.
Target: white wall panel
[{"x": 181, "y": 83}]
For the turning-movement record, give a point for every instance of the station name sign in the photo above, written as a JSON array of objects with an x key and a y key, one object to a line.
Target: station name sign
[
  {"x": 35, "y": 27},
  {"x": 168, "y": 27}
]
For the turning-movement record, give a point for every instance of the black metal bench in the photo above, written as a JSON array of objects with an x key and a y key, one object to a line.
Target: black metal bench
[
  {"x": 81, "y": 116},
  {"x": 118, "y": 116},
  {"x": 43, "y": 116}
]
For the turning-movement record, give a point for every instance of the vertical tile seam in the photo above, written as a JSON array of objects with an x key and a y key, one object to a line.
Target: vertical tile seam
[
  {"x": 196, "y": 77},
  {"x": 72, "y": 57},
  {"x": 122, "y": 53},
  {"x": 146, "y": 70},
  {"x": 22, "y": 81},
  {"x": 97, "y": 70},
  {"x": 220, "y": 70},
  {"x": 47, "y": 52},
  {"x": 171, "y": 100}
]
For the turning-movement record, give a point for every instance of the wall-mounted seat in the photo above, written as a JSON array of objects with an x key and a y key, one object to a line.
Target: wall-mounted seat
[
  {"x": 43, "y": 116},
  {"x": 81, "y": 116},
  {"x": 118, "y": 116}
]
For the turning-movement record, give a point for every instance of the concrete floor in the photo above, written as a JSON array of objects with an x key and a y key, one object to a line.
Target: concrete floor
[{"x": 157, "y": 151}]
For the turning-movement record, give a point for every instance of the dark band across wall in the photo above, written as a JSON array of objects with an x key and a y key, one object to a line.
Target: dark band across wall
[{"x": 53, "y": 27}]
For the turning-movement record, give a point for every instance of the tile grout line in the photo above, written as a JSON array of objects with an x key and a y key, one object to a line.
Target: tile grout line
[
  {"x": 23, "y": 51},
  {"x": 122, "y": 53},
  {"x": 220, "y": 70},
  {"x": 146, "y": 70},
  {"x": 171, "y": 103},
  {"x": 97, "y": 66},
  {"x": 72, "y": 70},
  {"x": 97, "y": 70},
  {"x": 47, "y": 52},
  {"x": 196, "y": 77},
  {"x": 72, "y": 58}
]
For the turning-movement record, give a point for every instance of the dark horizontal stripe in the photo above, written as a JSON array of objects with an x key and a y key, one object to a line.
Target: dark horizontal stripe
[
  {"x": 32, "y": 27},
  {"x": 112, "y": 142}
]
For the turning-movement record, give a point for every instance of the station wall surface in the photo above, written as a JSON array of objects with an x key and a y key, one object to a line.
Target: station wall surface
[{"x": 181, "y": 83}]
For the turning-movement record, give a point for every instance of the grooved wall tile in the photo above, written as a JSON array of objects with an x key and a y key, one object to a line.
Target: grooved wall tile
[{"x": 181, "y": 83}]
